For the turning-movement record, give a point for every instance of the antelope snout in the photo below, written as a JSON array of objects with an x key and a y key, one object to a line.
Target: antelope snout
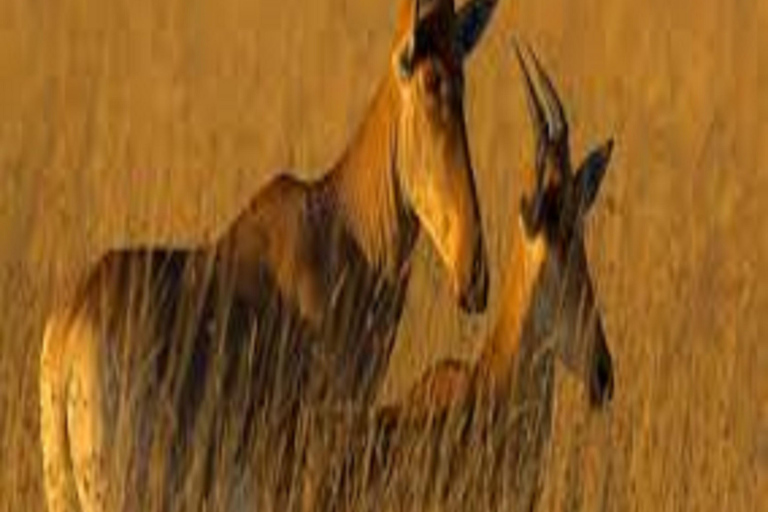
[
  {"x": 474, "y": 296},
  {"x": 601, "y": 380}
]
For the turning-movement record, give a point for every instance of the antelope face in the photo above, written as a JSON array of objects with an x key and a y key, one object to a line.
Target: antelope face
[
  {"x": 553, "y": 217},
  {"x": 434, "y": 165}
]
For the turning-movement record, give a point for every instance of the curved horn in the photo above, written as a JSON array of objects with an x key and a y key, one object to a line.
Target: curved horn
[
  {"x": 532, "y": 211},
  {"x": 559, "y": 125},
  {"x": 534, "y": 108},
  {"x": 557, "y": 121}
]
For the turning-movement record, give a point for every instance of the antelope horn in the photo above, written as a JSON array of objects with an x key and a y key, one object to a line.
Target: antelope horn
[
  {"x": 540, "y": 132},
  {"x": 534, "y": 108},
  {"x": 557, "y": 120}
]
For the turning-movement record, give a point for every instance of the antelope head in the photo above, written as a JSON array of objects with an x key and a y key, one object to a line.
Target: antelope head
[
  {"x": 433, "y": 159},
  {"x": 552, "y": 215}
]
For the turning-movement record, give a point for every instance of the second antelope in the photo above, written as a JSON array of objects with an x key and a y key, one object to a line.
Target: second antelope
[{"x": 318, "y": 270}]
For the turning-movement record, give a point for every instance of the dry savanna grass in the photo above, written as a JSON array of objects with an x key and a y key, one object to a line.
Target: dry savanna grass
[{"x": 126, "y": 123}]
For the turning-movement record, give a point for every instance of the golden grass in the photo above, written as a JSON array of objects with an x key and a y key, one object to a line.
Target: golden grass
[{"x": 126, "y": 122}]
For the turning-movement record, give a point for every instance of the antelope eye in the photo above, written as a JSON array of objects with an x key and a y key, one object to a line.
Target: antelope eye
[
  {"x": 432, "y": 80},
  {"x": 552, "y": 210}
]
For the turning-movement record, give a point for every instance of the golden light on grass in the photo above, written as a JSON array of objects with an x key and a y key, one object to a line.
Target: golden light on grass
[{"x": 133, "y": 122}]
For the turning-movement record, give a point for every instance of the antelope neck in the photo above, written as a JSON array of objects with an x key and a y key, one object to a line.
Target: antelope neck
[{"x": 364, "y": 185}]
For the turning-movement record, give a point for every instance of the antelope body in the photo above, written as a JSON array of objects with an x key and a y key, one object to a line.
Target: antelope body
[{"x": 302, "y": 293}]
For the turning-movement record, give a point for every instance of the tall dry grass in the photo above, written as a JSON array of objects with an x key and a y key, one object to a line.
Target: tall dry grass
[
  {"x": 206, "y": 408},
  {"x": 130, "y": 122}
]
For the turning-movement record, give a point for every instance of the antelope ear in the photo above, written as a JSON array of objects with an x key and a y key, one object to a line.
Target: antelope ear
[
  {"x": 471, "y": 21},
  {"x": 590, "y": 174}
]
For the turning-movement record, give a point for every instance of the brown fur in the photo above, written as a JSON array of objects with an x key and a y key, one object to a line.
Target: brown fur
[
  {"x": 525, "y": 284},
  {"x": 298, "y": 300}
]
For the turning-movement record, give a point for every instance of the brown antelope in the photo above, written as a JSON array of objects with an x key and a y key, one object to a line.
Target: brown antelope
[
  {"x": 548, "y": 308},
  {"x": 548, "y": 295},
  {"x": 318, "y": 270}
]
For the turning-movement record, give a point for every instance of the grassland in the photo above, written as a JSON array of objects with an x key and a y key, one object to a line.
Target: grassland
[{"x": 126, "y": 122}]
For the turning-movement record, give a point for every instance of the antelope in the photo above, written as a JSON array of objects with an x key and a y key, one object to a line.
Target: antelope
[
  {"x": 548, "y": 298},
  {"x": 548, "y": 309},
  {"x": 315, "y": 271}
]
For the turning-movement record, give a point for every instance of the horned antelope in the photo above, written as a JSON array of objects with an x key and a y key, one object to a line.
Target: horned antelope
[
  {"x": 548, "y": 296},
  {"x": 314, "y": 271},
  {"x": 548, "y": 308}
]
